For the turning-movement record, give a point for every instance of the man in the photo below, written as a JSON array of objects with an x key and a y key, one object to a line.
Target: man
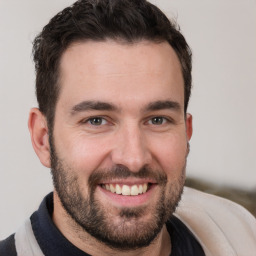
[{"x": 113, "y": 81}]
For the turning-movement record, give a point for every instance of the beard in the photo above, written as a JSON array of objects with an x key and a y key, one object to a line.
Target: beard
[{"x": 128, "y": 230}]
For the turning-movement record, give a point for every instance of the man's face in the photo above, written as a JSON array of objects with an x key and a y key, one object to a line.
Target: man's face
[{"x": 119, "y": 141}]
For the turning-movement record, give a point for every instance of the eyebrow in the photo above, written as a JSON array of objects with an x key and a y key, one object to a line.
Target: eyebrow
[
  {"x": 99, "y": 105},
  {"x": 92, "y": 105},
  {"x": 160, "y": 105}
]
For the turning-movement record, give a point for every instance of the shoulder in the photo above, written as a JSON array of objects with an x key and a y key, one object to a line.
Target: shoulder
[
  {"x": 219, "y": 224},
  {"x": 7, "y": 247},
  {"x": 214, "y": 205}
]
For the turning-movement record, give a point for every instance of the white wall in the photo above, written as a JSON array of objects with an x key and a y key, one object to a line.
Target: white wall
[{"x": 222, "y": 35}]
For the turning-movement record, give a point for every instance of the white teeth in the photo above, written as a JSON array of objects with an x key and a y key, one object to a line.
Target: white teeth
[
  {"x": 145, "y": 187},
  {"x": 112, "y": 188},
  {"x": 126, "y": 190},
  {"x": 118, "y": 189},
  {"x": 140, "y": 189},
  {"x": 134, "y": 190}
]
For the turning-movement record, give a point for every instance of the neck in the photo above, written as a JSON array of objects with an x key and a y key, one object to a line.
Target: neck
[{"x": 161, "y": 245}]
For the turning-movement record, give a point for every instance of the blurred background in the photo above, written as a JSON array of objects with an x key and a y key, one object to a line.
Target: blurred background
[{"x": 222, "y": 160}]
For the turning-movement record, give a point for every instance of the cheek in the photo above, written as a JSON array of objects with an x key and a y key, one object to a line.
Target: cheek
[
  {"x": 82, "y": 153},
  {"x": 170, "y": 153}
]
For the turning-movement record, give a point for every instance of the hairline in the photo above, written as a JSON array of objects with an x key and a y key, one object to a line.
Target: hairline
[{"x": 119, "y": 40}]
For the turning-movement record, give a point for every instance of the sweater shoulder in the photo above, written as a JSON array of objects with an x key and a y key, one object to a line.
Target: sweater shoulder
[
  {"x": 7, "y": 246},
  {"x": 218, "y": 221}
]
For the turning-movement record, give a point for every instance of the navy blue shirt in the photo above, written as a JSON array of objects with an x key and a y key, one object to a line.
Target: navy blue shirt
[{"x": 53, "y": 243}]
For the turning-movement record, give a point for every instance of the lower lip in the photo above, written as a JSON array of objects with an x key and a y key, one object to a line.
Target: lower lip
[{"x": 128, "y": 201}]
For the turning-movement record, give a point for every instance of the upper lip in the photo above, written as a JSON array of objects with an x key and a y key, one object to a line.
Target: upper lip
[{"x": 128, "y": 181}]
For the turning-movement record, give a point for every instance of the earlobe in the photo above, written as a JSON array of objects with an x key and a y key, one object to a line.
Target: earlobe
[
  {"x": 38, "y": 129},
  {"x": 189, "y": 126}
]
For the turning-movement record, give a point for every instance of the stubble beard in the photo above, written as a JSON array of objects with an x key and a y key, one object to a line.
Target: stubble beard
[{"x": 129, "y": 230}]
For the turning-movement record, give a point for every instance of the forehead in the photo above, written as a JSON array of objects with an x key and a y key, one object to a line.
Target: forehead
[{"x": 139, "y": 71}]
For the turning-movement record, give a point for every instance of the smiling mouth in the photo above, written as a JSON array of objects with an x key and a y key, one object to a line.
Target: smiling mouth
[{"x": 127, "y": 190}]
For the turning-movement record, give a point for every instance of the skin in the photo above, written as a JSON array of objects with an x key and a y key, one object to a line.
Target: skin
[{"x": 130, "y": 77}]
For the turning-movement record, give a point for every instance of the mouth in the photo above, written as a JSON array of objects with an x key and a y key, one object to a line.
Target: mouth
[
  {"x": 128, "y": 192},
  {"x": 127, "y": 189}
]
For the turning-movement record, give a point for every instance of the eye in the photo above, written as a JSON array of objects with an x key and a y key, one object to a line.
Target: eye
[
  {"x": 97, "y": 121},
  {"x": 157, "y": 120}
]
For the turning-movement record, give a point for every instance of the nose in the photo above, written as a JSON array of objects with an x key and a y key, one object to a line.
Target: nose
[{"x": 131, "y": 149}]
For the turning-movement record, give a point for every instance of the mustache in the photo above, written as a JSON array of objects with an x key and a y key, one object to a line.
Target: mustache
[{"x": 123, "y": 172}]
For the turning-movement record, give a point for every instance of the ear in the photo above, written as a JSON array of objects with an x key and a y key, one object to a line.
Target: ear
[
  {"x": 189, "y": 126},
  {"x": 38, "y": 129}
]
